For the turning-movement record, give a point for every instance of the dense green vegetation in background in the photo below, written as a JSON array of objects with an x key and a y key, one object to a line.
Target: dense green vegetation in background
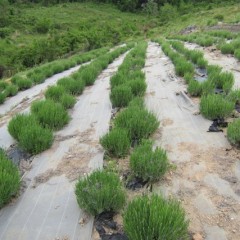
[
  {"x": 39, "y": 31},
  {"x": 32, "y": 34}
]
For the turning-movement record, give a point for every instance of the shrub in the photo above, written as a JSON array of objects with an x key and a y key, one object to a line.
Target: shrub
[
  {"x": 202, "y": 63},
  {"x": 67, "y": 101},
  {"x": 99, "y": 192},
  {"x": 9, "y": 179},
  {"x": 23, "y": 83},
  {"x": 153, "y": 217},
  {"x": 50, "y": 114},
  {"x": 219, "y": 17},
  {"x": 116, "y": 143},
  {"x": 88, "y": 75},
  {"x": 55, "y": 93},
  {"x": 121, "y": 96},
  {"x": 233, "y": 132},
  {"x": 227, "y": 48},
  {"x": 11, "y": 90},
  {"x": 138, "y": 121},
  {"x": 214, "y": 106},
  {"x": 183, "y": 67},
  {"x": 138, "y": 87},
  {"x": 72, "y": 86},
  {"x": 147, "y": 164},
  {"x": 234, "y": 96},
  {"x": 237, "y": 54},
  {"x": 2, "y": 97},
  {"x": 38, "y": 78},
  {"x": 3, "y": 85},
  {"x": 16, "y": 78},
  {"x": 118, "y": 79},
  {"x": 195, "y": 88},
  {"x": 208, "y": 87},
  {"x": 224, "y": 80},
  {"x": 35, "y": 139},
  {"x": 18, "y": 122},
  {"x": 188, "y": 77}
]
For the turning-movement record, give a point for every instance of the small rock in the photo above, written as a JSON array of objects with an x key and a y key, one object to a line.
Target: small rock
[{"x": 197, "y": 236}]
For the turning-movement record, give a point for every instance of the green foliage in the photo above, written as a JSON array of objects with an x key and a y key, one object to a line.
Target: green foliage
[
  {"x": 67, "y": 100},
  {"x": 202, "y": 63},
  {"x": 208, "y": 87},
  {"x": 153, "y": 217},
  {"x": 19, "y": 122},
  {"x": 101, "y": 191},
  {"x": 138, "y": 87},
  {"x": 139, "y": 122},
  {"x": 234, "y": 96},
  {"x": 2, "y": 97},
  {"x": 195, "y": 88},
  {"x": 72, "y": 86},
  {"x": 55, "y": 93},
  {"x": 219, "y": 17},
  {"x": 9, "y": 179},
  {"x": 214, "y": 106},
  {"x": 118, "y": 79},
  {"x": 50, "y": 114},
  {"x": 183, "y": 67},
  {"x": 116, "y": 143},
  {"x": 35, "y": 139},
  {"x": 188, "y": 77},
  {"x": 11, "y": 90},
  {"x": 237, "y": 54},
  {"x": 23, "y": 83},
  {"x": 147, "y": 164},
  {"x": 121, "y": 96},
  {"x": 227, "y": 48},
  {"x": 233, "y": 132}
]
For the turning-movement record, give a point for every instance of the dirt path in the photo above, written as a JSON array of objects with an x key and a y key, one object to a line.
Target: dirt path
[
  {"x": 48, "y": 208},
  {"x": 227, "y": 62},
  {"x": 207, "y": 176}
]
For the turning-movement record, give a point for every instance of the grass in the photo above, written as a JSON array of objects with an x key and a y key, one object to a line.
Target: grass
[
  {"x": 147, "y": 164},
  {"x": 72, "y": 86},
  {"x": 67, "y": 101},
  {"x": 121, "y": 96},
  {"x": 153, "y": 217},
  {"x": 11, "y": 90},
  {"x": 139, "y": 122},
  {"x": 23, "y": 84},
  {"x": 234, "y": 96},
  {"x": 2, "y": 97},
  {"x": 9, "y": 179},
  {"x": 35, "y": 139},
  {"x": 99, "y": 192},
  {"x": 214, "y": 106},
  {"x": 233, "y": 132},
  {"x": 116, "y": 143},
  {"x": 50, "y": 114},
  {"x": 19, "y": 122},
  {"x": 138, "y": 87},
  {"x": 194, "y": 88},
  {"x": 55, "y": 93}
]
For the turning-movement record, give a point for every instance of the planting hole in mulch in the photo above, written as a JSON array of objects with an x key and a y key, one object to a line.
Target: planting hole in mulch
[
  {"x": 218, "y": 91},
  {"x": 16, "y": 154},
  {"x": 200, "y": 75},
  {"x": 105, "y": 221},
  {"x": 133, "y": 182},
  {"x": 218, "y": 122}
]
